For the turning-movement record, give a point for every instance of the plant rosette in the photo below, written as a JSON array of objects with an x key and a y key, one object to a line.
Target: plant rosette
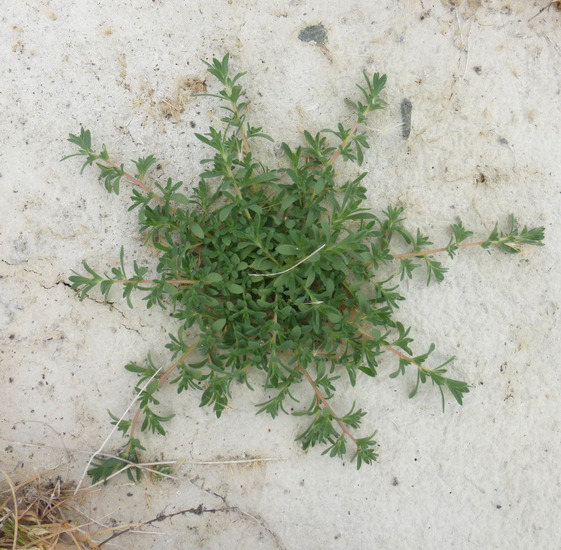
[{"x": 274, "y": 270}]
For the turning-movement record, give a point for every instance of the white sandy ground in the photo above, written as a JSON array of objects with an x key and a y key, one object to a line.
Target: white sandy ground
[{"x": 484, "y": 82}]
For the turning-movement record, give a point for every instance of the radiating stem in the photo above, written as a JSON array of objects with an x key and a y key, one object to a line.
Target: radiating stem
[
  {"x": 139, "y": 183},
  {"x": 391, "y": 348},
  {"x": 160, "y": 381},
  {"x": 343, "y": 145},
  {"x": 433, "y": 251},
  {"x": 153, "y": 281},
  {"x": 324, "y": 402}
]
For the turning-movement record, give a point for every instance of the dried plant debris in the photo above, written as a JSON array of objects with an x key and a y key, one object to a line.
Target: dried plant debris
[
  {"x": 171, "y": 107},
  {"x": 40, "y": 513},
  {"x": 45, "y": 513}
]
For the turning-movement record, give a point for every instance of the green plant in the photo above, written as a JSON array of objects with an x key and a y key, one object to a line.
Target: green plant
[{"x": 278, "y": 271}]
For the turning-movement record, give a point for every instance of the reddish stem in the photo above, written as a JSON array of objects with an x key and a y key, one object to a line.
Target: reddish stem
[
  {"x": 322, "y": 399},
  {"x": 343, "y": 145},
  {"x": 139, "y": 183},
  {"x": 133, "y": 425},
  {"x": 132, "y": 178},
  {"x": 152, "y": 281},
  {"x": 160, "y": 381},
  {"x": 178, "y": 362},
  {"x": 389, "y": 348},
  {"x": 403, "y": 356},
  {"x": 433, "y": 251},
  {"x": 245, "y": 141}
]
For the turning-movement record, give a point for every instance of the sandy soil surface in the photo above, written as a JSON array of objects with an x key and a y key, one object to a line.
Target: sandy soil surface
[{"x": 483, "y": 81}]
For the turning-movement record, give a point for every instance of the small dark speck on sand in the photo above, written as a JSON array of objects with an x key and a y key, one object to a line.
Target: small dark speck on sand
[{"x": 313, "y": 33}]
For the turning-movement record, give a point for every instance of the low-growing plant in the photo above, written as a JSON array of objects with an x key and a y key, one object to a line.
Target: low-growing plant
[{"x": 278, "y": 271}]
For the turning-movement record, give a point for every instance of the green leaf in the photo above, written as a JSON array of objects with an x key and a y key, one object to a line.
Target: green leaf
[
  {"x": 218, "y": 325},
  {"x": 460, "y": 232},
  {"x": 179, "y": 198},
  {"x": 225, "y": 212},
  {"x": 434, "y": 269},
  {"x": 234, "y": 288},
  {"x": 287, "y": 250},
  {"x": 197, "y": 230},
  {"x": 143, "y": 165},
  {"x": 213, "y": 278}
]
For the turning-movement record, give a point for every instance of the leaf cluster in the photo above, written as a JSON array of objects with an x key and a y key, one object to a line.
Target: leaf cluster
[{"x": 277, "y": 272}]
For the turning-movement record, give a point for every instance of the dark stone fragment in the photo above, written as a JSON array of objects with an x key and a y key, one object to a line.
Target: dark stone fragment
[
  {"x": 313, "y": 33},
  {"x": 406, "y": 108}
]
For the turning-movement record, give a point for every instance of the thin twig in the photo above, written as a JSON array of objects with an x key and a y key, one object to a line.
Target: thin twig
[
  {"x": 147, "y": 464},
  {"x": 238, "y": 461},
  {"x": 137, "y": 396},
  {"x": 289, "y": 269},
  {"x": 199, "y": 511},
  {"x": 466, "y": 46},
  {"x": 554, "y": 3},
  {"x": 139, "y": 465}
]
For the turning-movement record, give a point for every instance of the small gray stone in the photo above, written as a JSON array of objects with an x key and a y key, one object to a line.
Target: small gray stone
[
  {"x": 406, "y": 108},
  {"x": 313, "y": 33}
]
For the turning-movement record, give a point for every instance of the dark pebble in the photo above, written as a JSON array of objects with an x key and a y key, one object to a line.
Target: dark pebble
[
  {"x": 313, "y": 33},
  {"x": 406, "y": 108}
]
